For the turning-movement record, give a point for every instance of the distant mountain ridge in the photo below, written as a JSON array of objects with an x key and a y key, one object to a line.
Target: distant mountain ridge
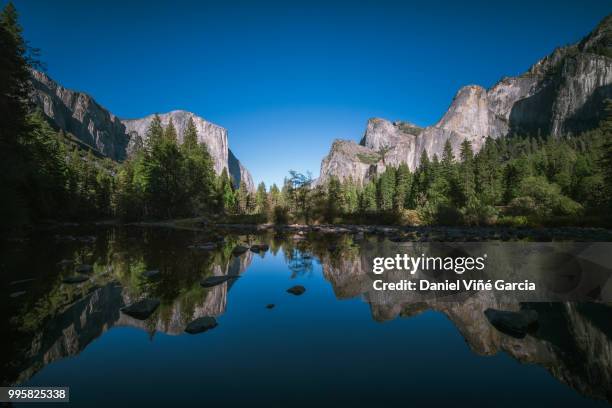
[
  {"x": 562, "y": 94},
  {"x": 79, "y": 114}
]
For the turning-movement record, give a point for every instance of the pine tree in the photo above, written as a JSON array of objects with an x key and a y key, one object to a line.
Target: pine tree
[
  {"x": 367, "y": 201},
  {"x": 605, "y": 162},
  {"x": 227, "y": 197},
  {"x": 403, "y": 184},
  {"x": 261, "y": 199},
  {"x": 155, "y": 132},
  {"x": 386, "y": 189},
  {"x": 170, "y": 132},
  {"x": 334, "y": 199},
  {"x": 466, "y": 173},
  {"x": 190, "y": 138}
]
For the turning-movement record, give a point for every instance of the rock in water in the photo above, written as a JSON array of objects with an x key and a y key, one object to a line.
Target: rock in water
[
  {"x": 141, "y": 309},
  {"x": 65, "y": 262},
  {"x": 239, "y": 250},
  {"x": 207, "y": 246},
  {"x": 270, "y": 306},
  {"x": 152, "y": 274},
  {"x": 75, "y": 279},
  {"x": 296, "y": 290},
  {"x": 259, "y": 248},
  {"x": 515, "y": 324},
  {"x": 216, "y": 280},
  {"x": 201, "y": 324},
  {"x": 83, "y": 268}
]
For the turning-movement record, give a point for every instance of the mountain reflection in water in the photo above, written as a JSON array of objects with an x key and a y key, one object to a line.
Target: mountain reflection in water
[{"x": 53, "y": 320}]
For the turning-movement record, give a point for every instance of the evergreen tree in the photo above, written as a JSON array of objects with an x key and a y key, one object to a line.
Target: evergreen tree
[
  {"x": 334, "y": 199},
  {"x": 403, "y": 185},
  {"x": 262, "y": 204},
  {"x": 170, "y": 132},
  {"x": 190, "y": 138},
  {"x": 155, "y": 132}
]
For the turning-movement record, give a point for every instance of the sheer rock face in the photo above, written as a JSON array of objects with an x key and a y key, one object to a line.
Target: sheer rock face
[
  {"x": 79, "y": 114},
  {"x": 562, "y": 94}
]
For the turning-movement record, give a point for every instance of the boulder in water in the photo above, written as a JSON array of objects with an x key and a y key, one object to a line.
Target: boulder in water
[
  {"x": 239, "y": 250},
  {"x": 142, "y": 309},
  {"x": 152, "y": 274},
  {"x": 75, "y": 279},
  {"x": 201, "y": 324},
  {"x": 515, "y": 324},
  {"x": 259, "y": 247},
  {"x": 296, "y": 290},
  {"x": 216, "y": 280},
  {"x": 84, "y": 268}
]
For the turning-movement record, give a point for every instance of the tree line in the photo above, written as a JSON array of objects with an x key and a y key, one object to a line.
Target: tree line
[{"x": 47, "y": 174}]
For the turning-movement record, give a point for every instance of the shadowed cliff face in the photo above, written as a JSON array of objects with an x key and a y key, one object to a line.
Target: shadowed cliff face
[
  {"x": 78, "y": 114},
  {"x": 562, "y": 94}
]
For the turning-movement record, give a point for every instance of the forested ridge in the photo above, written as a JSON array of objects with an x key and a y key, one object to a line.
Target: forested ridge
[{"x": 46, "y": 174}]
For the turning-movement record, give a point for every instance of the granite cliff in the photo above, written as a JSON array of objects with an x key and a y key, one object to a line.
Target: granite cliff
[
  {"x": 79, "y": 114},
  {"x": 561, "y": 95}
]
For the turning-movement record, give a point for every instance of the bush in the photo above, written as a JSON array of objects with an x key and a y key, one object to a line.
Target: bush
[
  {"x": 513, "y": 221},
  {"x": 522, "y": 206},
  {"x": 448, "y": 215},
  {"x": 409, "y": 218},
  {"x": 280, "y": 215},
  {"x": 477, "y": 213}
]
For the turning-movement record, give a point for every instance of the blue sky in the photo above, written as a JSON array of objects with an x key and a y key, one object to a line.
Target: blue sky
[{"x": 286, "y": 78}]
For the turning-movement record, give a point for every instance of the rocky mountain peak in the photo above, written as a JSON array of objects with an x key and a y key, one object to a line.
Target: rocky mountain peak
[
  {"x": 469, "y": 112},
  {"x": 79, "y": 114},
  {"x": 562, "y": 94}
]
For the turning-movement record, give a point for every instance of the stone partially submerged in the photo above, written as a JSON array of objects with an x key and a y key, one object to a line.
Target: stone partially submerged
[
  {"x": 142, "y": 309},
  {"x": 515, "y": 324},
  {"x": 259, "y": 248},
  {"x": 75, "y": 279},
  {"x": 216, "y": 280},
  {"x": 296, "y": 290},
  {"x": 152, "y": 274},
  {"x": 201, "y": 325},
  {"x": 239, "y": 250},
  {"x": 84, "y": 268}
]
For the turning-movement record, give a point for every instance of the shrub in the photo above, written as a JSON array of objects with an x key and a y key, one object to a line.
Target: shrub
[
  {"x": 280, "y": 215},
  {"x": 409, "y": 218}
]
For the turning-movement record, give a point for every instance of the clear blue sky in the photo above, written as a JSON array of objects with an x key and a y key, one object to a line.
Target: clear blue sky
[{"x": 287, "y": 77}]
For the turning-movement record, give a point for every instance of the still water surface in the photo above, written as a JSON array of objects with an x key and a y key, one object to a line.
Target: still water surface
[{"x": 329, "y": 345}]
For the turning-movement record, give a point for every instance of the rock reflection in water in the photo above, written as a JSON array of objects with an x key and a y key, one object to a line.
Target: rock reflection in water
[{"x": 573, "y": 340}]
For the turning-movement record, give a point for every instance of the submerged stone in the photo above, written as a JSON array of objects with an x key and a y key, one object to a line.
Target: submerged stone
[
  {"x": 296, "y": 290},
  {"x": 201, "y": 325},
  {"x": 270, "y": 306},
  {"x": 152, "y": 274},
  {"x": 515, "y": 324},
  {"x": 84, "y": 268},
  {"x": 75, "y": 279},
  {"x": 142, "y": 309},
  {"x": 239, "y": 249},
  {"x": 65, "y": 262},
  {"x": 207, "y": 246},
  {"x": 216, "y": 280},
  {"x": 259, "y": 247}
]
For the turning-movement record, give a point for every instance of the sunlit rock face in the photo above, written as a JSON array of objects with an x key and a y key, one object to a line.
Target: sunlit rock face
[
  {"x": 79, "y": 114},
  {"x": 562, "y": 94}
]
